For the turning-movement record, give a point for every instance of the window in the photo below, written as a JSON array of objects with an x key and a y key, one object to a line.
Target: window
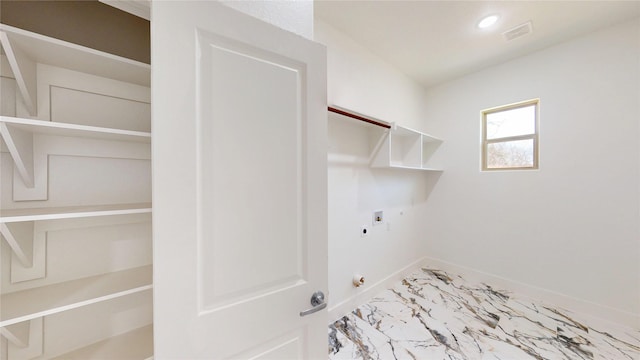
[{"x": 510, "y": 137}]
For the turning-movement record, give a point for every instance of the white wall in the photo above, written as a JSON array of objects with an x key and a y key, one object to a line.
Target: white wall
[
  {"x": 572, "y": 227},
  {"x": 292, "y": 15},
  {"x": 361, "y": 82}
]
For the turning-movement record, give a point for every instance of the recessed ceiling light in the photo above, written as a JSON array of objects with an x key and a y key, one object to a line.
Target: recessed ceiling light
[{"x": 487, "y": 21}]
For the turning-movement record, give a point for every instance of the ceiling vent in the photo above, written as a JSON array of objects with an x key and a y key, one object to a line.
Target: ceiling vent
[{"x": 518, "y": 31}]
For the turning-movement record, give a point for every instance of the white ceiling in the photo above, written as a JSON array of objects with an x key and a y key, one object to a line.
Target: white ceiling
[{"x": 435, "y": 41}]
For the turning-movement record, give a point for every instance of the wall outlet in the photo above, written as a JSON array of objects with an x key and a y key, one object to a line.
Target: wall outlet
[
  {"x": 364, "y": 231},
  {"x": 378, "y": 217}
]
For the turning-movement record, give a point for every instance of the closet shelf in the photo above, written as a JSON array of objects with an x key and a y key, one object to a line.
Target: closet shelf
[
  {"x": 135, "y": 344},
  {"x": 66, "y": 129},
  {"x": 31, "y": 162},
  {"x": 29, "y": 304},
  {"x": 46, "y": 50},
  {"x": 72, "y": 212}
]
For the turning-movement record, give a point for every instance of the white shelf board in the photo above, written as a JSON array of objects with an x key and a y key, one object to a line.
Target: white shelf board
[
  {"x": 65, "y": 129},
  {"x": 52, "y": 299},
  {"x": 47, "y": 50},
  {"x": 16, "y": 215},
  {"x": 396, "y": 166},
  {"x": 135, "y": 344}
]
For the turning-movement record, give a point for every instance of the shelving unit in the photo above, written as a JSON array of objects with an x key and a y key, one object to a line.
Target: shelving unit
[
  {"x": 75, "y": 129},
  {"x": 405, "y": 148},
  {"x": 399, "y": 147}
]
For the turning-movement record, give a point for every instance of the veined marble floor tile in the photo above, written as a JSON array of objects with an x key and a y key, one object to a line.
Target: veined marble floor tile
[
  {"x": 402, "y": 321},
  {"x": 432, "y": 314},
  {"x": 363, "y": 341}
]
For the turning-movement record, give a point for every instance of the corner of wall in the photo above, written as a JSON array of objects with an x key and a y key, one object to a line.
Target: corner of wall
[
  {"x": 362, "y": 295},
  {"x": 593, "y": 313},
  {"x": 568, "y": 230},
  {"x": 362, "y": 82}
]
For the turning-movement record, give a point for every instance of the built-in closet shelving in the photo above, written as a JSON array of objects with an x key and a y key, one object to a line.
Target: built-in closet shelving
[
  {"x": 75, "y": 214},
  {"x": 398, "y": 146}
]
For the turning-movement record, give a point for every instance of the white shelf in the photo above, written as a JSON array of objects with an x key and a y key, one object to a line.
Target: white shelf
[
  {"x": 135, "y": 344},
  {"x": 31, "y": 161},
  {"x": 399, "y": 147},
  {"x": 405, "y": 148},
  {"x": 47, "y": 50},
  {"x": 413, "y": 168},
  {"x": 18, "y": 215},
  {"x": 47, "y": 300},
  {"x": 66, "y": 129}
]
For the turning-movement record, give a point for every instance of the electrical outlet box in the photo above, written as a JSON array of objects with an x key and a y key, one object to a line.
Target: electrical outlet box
[{"x": 378, "y": 217}]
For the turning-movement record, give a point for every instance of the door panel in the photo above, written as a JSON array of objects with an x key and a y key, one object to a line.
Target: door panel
[
  {"x": 250, "y": 171},
  {"x": 239, "y": 186}
]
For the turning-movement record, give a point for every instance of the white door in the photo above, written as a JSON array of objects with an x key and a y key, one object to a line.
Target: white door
[{"x": 239, "y": 186}]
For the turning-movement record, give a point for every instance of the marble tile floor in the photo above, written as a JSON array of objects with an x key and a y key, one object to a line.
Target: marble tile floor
[{"x": 435, "y": 315}]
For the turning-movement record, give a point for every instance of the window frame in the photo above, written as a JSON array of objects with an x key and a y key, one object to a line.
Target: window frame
[{"x": 534, "y": 136}]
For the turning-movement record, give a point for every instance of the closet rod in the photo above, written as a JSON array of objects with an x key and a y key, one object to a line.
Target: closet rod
[{"x": 358, "y": 117}]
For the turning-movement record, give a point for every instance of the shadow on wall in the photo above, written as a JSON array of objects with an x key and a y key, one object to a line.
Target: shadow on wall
[{"x": 399, "y": 187}]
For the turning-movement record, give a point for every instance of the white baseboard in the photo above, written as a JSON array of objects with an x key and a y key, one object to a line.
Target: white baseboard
[
  {"x": 592, "y": 313},
  {"x": 369, "y": 291}
]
